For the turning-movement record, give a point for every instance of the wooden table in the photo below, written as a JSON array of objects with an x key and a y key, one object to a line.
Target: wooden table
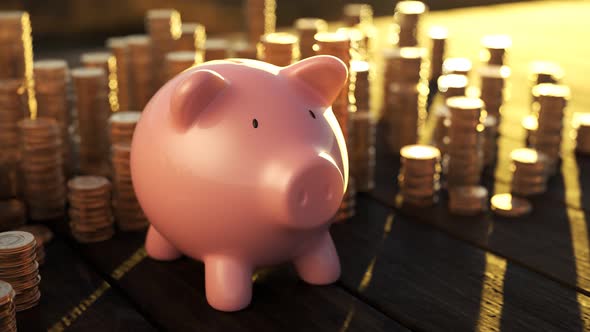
[{"x": 408, "y": 269}]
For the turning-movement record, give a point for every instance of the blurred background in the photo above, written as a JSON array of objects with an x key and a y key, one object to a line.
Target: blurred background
[{"x": 61, "y": 22}]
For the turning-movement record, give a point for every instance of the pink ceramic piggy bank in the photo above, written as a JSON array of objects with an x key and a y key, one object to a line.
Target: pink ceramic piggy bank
[{"x": 242, "y": 164}]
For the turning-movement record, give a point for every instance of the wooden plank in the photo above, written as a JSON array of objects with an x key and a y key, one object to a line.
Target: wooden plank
[
  {"x": 541, "y": 241},
  {"x": 432, "y": 282},
  {"x": 73, "y": 296},
  {"x": 172, "y": 293}
]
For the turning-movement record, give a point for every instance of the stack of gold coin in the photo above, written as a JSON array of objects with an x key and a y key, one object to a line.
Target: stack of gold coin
[
  {"x": 216, "y": 49},
  {"x": 419, "y": 175},
  {"x": 260, "y": 18},
  {"x": 244, "y": 50},
  {"x": 362, "y": 128},
  {"x": 42, "y": 168},
  {"x": 122, "y": 125},
  {"x": 493, "y": 83},
  {"x": 490, "y": 133},
  {"x": 7, "y": 307},
  {"x": 91, "y": 218},
  {"x": 307, "y": 28},
  {"x": 459, "y": 66},
  {"x": 338, "y": 45},
  {"x": 11, "y": 111},
  {"x": 20, "y": 268},
  {"x": 407, "y": 16},
  {"x": 120, "y": 50},
  {"x": 9, "y": 177},
  {"x": 509, "y": 206},
  {"x": 361, "y": 79},
  {"x": 451, "y": 85},
  {"x": 358, "y": 42},
  {"x": 529, "y": 123},
  {"x": 108, "y": 63},
  {"x": 581, "y": 124},
  {"x": 192, "y": 39},
  {"x": 468, "y": 200},
  {"x": 12, "y": 61},
  {"x": 52, "y": 79},
  {"x": 164, "y": 27},
  {"x": 438, "y": 38},
  {"x": 464, "y": 158},
  {"x": 406, "y": 93},
  {"x": 128, "y": 212},
  {"x": 141, "y": 76},
  {"x": 362, "y": 150},
  {"x": 529, "y": 172},
  {"x": 43, "y": 236},
  {"x": 93, "y": 113},
  {"x": 545, "y": 72},
  {"x": 495, "y": 48},
  {"x": 177, "y": 62},
  {"x": 279, "y": 48},
  {"x": 357, "y": 14},
  {"x": 550, "y": 108},
  {"x": 12, "y": 214}
]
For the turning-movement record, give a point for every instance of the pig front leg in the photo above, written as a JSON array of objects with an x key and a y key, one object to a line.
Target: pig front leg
[
  {"x": 320, "y": 265},
  {"x": 158, "y": 247},
  {"x": 228, "y": 283}
]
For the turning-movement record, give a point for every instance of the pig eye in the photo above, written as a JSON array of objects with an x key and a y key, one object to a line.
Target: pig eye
[
  {"x": 255, "y": 123},
  {"x": 312, "y": 114}
]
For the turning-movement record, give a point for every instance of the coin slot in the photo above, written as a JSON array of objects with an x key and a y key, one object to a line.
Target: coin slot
[
  {"x": 255, "y": 123},
  {"x": 312, "y": 114}
]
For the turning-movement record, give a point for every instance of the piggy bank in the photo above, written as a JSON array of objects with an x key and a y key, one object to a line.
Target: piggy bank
[{"x": 241, "y": 164}]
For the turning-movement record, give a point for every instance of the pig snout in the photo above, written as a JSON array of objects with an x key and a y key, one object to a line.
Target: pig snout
[{"x": 314, "y": 193}]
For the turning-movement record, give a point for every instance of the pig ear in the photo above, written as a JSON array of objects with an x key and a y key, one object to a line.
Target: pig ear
[
  {"x": 193, "y": 94},
  {"x": 323, "y": 73}
]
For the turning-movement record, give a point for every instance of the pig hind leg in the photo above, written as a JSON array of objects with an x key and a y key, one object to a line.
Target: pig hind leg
[
  {"x": 159, "y": 248},
  {"x": 320, "y": 265},
  {"x": 228, "y": 283}
]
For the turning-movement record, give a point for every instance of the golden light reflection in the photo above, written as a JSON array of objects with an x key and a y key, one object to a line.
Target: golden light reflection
[
  {"x": 454, "y": 65},
  {"x": 113, "y": 84},
  {"x": 494, "y": 71},
  {"x": 366, "y": 280},
  {"x": 348, "y": 318},
  {"x": 452, "y": 81},
  {"x": 412, "y": 52},
  {"x": 551, "y": 90},
  {"x": 525, "y": 156},
  {"x": 175, "y": 25},
  {"x": 421, "y": 152},
  {"x": 438, "y": 32},
  {"x": 410, "y": 7},
  {"x": 496, "y": 41},
  {"x": 328, "y": 37},
  {"x": 359, "y": 66},
  {"x": 333, "y": 122},
  {"x": 502, "y": 201},
  {"x": 579, "y": 232},
  {"x": 280, "y": 38},
  {"x": 465, "y": 103},
  {"x": 548, "y": 68},
  {"x": 530, "y": 122},
  {"x": 492, "y": 294},
  {"x": 27, "y": 40}
]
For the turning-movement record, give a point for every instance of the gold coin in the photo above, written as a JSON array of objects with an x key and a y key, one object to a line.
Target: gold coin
[{"x": 506, "y": 205}]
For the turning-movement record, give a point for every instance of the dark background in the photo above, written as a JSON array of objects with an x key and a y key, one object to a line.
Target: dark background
[{"x": 88, "y": 21}]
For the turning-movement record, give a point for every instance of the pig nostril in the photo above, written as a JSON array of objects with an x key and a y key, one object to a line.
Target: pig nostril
[{"x": 302, "y": 198}]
